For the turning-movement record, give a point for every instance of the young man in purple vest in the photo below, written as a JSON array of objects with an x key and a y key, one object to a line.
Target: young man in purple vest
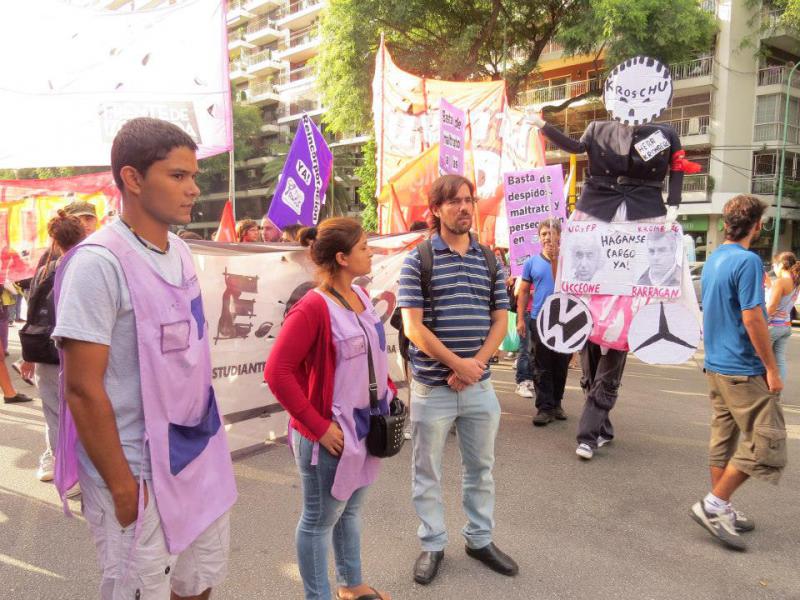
[{"x": 140, "y": 428}]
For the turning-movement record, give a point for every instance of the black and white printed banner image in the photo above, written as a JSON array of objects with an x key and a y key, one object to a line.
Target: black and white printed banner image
[
  {"x": 664, "y": 333},
  {"x": 640, "y": 259},
  {"x": 564, "y": 323},
  {"x": 247, "y": 291}
]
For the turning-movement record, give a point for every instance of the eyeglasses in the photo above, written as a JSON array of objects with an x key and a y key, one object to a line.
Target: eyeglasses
[{"x": 459, "y": 201}]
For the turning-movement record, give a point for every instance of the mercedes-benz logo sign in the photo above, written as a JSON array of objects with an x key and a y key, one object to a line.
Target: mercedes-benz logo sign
[
  {"x": 564, "y": 323},
  {"x": 664, "y": 334}
]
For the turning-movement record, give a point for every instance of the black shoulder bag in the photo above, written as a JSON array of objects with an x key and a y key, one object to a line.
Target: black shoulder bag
[{"x": 385, "y": 437}]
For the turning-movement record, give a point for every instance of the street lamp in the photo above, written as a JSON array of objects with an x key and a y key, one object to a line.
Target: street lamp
[{"x": 783, "y": 159}]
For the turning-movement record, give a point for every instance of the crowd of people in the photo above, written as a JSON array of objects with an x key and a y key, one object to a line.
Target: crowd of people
[{"x": 149, "y": 455}]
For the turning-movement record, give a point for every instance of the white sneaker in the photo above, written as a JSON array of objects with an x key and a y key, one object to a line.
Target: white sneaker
[
  {"x": 721, "y": 525},
  {"x": 407, "y": 433},
  {"x": 601, "y": 441},
  {"x": 584, "y": 451},
  {"x": 524, "y": 390},
  {"x": 74, "y": 491},
  {"x": 47, "y": 466}
]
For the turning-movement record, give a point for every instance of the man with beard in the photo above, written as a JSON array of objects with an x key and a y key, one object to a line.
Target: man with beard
[{"x": 455, "y": 320}]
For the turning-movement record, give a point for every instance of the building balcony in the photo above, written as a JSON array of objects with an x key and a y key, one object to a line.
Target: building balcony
[
  {"x": 259, "y": 7},
  {"x": 264, "y": 62},
  {"x": 262, "y": 31},
  {"x": 301, "y": 45},
  {"x": 773, "y": 80},
  {"x": 773, "y": 132},
  {"x": 238, "y": 71},
  {"x": 292, "y": 111},
  {"x": 301, "y": 13},
  {"x": 237, "y": 14},
  {"x": 261, "y": 94},
  {"x": 776, "y": 32},
  {"x": 238, "y": 44},
  {"x": 270, "y": 129},
  {"x": 694, "y": 131},
  {"x": 695, "y": 73},
  {"x": 296, "y": 79},
  {"x": 690, "y": 74}
]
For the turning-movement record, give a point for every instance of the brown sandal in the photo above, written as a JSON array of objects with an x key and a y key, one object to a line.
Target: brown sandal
[{"x": 373, "y": 596}]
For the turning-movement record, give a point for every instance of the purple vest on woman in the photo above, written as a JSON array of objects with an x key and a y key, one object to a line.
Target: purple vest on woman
[{"x": 190, "y": 461}]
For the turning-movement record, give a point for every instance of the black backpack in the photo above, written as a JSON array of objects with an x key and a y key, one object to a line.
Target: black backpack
[
  {"x": 34, "y": 337},
  {"x": 425, "y": 275}
]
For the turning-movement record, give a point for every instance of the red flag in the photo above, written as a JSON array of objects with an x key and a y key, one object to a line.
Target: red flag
[{"x": 227, "y": 226}]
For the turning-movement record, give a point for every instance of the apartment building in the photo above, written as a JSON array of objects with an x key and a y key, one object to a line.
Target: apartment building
[{"x": 728, "y": 107}]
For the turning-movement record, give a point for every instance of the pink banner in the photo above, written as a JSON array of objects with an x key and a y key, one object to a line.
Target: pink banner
[{"x": 452, "y": 128}]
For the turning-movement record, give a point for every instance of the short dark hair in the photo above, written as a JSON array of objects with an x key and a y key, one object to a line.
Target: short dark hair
[
  {"x": 142, "y": 141},
  {"x": 740, "y": 214},
  {"x": 445, "y": 188}
]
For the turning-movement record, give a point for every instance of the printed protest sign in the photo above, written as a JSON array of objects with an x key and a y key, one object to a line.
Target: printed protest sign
[
  {"x": 625, "y": 259},
  {"x": 531, "y": 197},
  {"x": 300, "y": 194},
  {"x": 452, "y": 128}
]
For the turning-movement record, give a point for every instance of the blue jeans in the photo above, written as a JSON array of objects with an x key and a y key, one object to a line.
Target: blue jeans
[
  {"x": 780, "y": 339},
  {"x": 524, "y": 369},
  {"x": 324, "y": 517},
  {"x": 476, "y": 413}
]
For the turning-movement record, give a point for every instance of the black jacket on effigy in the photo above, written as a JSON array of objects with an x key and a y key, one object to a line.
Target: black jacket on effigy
[{"x": 617, "y": 172}]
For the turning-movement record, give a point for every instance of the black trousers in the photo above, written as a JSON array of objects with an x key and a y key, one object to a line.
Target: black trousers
[
  {"x": 602, "y": 375},
  {"x": 549, "y": 372}
]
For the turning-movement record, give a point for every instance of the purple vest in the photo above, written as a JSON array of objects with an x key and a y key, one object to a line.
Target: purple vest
[
  {"x": 351, "y": 409},
  {"x": 190, "y": 461}
]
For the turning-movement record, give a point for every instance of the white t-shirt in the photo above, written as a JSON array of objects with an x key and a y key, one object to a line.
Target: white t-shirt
[{"x": 95, "y": 306}]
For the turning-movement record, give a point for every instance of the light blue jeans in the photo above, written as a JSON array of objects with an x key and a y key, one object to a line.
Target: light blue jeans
[
  {"x": 780, "y": 339},
  {"x": 324, "y": 517},
  {"x": 476, "y": 413}
]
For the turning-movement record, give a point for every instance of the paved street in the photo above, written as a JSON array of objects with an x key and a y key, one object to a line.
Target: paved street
[{"x": 615, "y": 527}]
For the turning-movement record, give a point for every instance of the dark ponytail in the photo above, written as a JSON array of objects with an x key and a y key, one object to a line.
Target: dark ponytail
[
  {"x": 332, "y": 236},
  {"x": 789, "y": 263}
]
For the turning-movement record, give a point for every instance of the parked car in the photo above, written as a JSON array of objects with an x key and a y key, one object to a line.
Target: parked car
[{"x": 696, "y": 270}]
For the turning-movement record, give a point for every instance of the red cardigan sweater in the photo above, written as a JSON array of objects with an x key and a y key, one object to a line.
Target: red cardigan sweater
[{"x": 301, "y": 366}]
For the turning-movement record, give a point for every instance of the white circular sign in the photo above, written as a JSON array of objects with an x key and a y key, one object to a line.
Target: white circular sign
[
  {"x": 664, "y": 333},
  {"x": 638, "y": 90},
  {"x": 564, "y": 323}
]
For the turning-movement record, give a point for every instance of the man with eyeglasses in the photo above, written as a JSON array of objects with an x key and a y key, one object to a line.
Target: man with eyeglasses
[{"x": 454, "y": 322}]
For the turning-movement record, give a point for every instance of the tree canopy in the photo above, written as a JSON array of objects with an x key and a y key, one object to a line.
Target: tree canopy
[{"x": 478, "y": 39}]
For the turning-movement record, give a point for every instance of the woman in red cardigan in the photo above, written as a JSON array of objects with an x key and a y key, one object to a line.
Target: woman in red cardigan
[{"x": 318, "y": 370}]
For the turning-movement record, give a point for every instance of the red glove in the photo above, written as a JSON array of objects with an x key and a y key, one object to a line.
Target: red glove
[{"x": 679, "y": 163}]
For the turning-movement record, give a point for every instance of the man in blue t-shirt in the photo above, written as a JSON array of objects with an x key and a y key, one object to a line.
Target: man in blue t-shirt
[
  {"x": 549, "y": 367},
  {"x": 748, "y": 434}
]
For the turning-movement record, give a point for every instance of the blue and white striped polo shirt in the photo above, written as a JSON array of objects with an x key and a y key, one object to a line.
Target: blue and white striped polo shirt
[{"x": 461, "y": 289}]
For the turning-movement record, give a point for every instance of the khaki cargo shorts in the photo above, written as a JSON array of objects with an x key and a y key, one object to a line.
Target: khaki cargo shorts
[{"x": 747, "y": 426}]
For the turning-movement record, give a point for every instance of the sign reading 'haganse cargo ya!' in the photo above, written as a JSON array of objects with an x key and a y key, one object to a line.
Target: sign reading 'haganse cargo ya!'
[{"x": 626, "y": 259}]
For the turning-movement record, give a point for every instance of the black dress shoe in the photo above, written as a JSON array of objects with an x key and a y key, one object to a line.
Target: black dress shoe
[
  {"x": 495, "y": 559},
  {"x": 427, "y": 566}
]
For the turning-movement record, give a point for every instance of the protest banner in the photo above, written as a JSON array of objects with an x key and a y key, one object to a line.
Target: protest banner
[
  {"x": 639, "y": 259},
  {"x": 247, "y": 291},
  {"x": 300, "y": 193},
  {"x": 452, "y": 130},
  {"x": 27, "y": 205},
  {"x": 531, "y": 197},
  {"x": 85, "y": 71}
]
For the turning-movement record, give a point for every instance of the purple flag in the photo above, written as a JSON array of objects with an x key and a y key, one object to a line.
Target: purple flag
[{"x": 300, "y": 193}]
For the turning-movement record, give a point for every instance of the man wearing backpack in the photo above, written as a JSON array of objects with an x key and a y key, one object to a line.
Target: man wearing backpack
[{"x": 453, "y": 300}]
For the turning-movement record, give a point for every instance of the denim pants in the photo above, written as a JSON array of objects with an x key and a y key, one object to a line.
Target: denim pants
[
  {"x": 780, "y": 339},
  {"x": 476, "y": 413},
  {"x": 524, "y": 370},
  {"x": 324, "y": 517}
]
